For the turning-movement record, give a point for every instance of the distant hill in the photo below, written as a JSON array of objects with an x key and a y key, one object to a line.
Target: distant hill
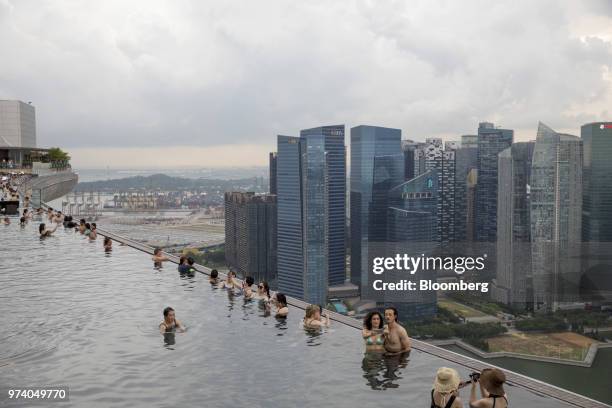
[{"x": 165, "y": 183}]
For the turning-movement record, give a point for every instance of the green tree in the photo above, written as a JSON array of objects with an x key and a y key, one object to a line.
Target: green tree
[{"x": 56, "y": 154}]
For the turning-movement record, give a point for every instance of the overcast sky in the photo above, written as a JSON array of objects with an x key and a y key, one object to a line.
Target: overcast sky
[{"x": 211, "y": 83}]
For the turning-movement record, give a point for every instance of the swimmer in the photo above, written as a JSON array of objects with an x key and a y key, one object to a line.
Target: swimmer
[
  {"x": 44, "y": 232},
  {"x": 280, "y": 301},
  {"x": 93, "y": 234},
  {"x": 108, "y": 244},
  {"x": 214, "y": 277},
  {"x": 263, "y": 291},
  {"x": 230, "y": 282},
  {"x": 82, "y": 226},
  {"x": 6, "y": 221},
  {"x": 158, "y": 256},
  {"x": 396, "y": 337},
  {"x": 372, "y": 332},
  {"x": 22, "y": 222},
  {"x": 313, "y": 318},
  {"x": 170, "y": 323},
  {"x": 247, "y": 283},
  {"x": 58, "y": 218},
  {"x": 182, "y": 266}
]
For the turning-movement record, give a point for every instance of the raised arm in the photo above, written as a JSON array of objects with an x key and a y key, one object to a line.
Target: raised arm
[{"x": 405, "y": 341}]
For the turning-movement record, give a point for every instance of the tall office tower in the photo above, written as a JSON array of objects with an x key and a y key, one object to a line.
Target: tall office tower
[
  {"x": 272, "y": 169},
  {"x": 290, "y": 237},
  {"x": 597, "y": 208},
  {"x": 556, "y": 218},
  {"x": 466, "y": 161},
  {"x": 412, "y": 229},
  {"x": 597, "y": 187},
  {"x": 377, "y": 165},
  {"x": 513, "y": 272},
  {"x": 311, "y": 191},
  {"x": 470, "y": 205},
  {"x": 469, "y": 141},
  {"x": 17, "y": 124},
  {"x": 250, "y": 234},
  {"x": 332, "y": 138},
  {"x": 434, "y": 155},
  {"x": 491, "y": 141},
  {"x": 409, "y": 150}
]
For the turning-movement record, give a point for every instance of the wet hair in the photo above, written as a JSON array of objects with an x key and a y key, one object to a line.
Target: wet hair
[
  {"x": 281, "y": 298},
  {"x": 182, "y": 259},
  {"x": 394, "y": 310},
  {"x": 25, "y": 211},
  {"x": 266, "y": 287},
  {"x": 87, "y": 226},
  {"x": 190, "y": 261},
  {"x": 93, "y": 224},
  {"x": 41, "y": 227},
  {"x": 82, "y": 221},
  {"x": 156, "y": 251},
  {"x": 493, "y": 380},
  {"x": 168, "y": 310},
  {"x": 249, "y": 280},
  {"x": 22, "y": 220},
  {"x": 311, "y": 310},
  {"x": 107, "y": 240},
  {"x": 214, "y": 273},
  {"x": 367, "y": 321},
  {"x": 231, "y": 274}
]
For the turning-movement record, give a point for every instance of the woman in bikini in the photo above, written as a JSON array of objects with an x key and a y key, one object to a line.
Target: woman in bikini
[{"x": 372, "y": 333}]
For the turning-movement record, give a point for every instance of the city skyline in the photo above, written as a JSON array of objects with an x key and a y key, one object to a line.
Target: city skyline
[{"x": 208, "y": 83}]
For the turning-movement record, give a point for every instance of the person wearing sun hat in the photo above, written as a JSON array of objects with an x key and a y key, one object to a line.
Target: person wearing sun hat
[
  {"x": 445, "y": 391},
  {"x": 492, "y": 389}
]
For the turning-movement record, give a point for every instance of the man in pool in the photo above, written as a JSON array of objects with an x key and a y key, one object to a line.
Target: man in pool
[
  {"x": 247, "y": 285},
  {"x": 170, "y": 323},
  {"x": 158, "y": 256},
  {"x": 396, "y": 337},
  {"x": 214, "y": 277}
]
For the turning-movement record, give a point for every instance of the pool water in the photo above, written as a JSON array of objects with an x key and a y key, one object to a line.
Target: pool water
[{"x": 74, "y": 315}]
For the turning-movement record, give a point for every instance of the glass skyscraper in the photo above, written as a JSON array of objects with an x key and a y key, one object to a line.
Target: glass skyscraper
[
  {"x": 412, "y": 229},
  {"x": 376, "y": 167},
  {"x": 272, "y": 170},
  {"x": 556, "y": 214},
  {"x": 290, "y": 245},
  {"x": 597, "y": 193},
  {"x": 311, "y": 197},
  {"x": 513, "y": 275},
  {"x": 491, "y": 141},
  {"x": 331, "y": 139},
  {"x": 466, "y": 160}
]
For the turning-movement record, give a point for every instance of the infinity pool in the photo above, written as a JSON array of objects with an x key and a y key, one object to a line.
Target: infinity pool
[{"x": 74, "y": 315}]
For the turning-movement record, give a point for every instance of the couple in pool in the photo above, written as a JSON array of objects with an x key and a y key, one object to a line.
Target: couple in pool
[{"x": 390, "y": 338}]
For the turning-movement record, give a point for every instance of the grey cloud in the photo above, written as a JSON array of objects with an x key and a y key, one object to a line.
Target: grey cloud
[{"x": 225, "y": 72}]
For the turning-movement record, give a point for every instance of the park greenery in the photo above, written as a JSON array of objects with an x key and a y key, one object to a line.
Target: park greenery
[{"x": 446, "y": 325}]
